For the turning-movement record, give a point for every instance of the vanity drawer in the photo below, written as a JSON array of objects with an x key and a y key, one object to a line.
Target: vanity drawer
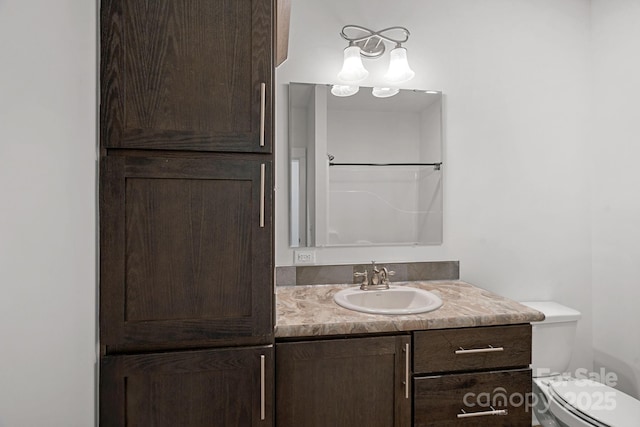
[
  {"x": 498, "y": 398},
  {"x": 491, "y": 347}
]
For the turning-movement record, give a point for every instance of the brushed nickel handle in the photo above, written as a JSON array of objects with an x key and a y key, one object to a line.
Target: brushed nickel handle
[
  {"x": 262, "y": 388},
  {"x": 263, "y": 169},
  {"x": 489, "y": 349},
  {"x": 406, "y": 370},
  {"x": 263, "y": 107},
  {"x": 483, "y": 413}
]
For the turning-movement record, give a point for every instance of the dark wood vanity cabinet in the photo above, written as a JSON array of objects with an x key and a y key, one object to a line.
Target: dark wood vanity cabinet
[
  {"x": 344, "y": 382},
  {"x": 187, "y": 74},
  {"x": 443, "y": 377},
  {"x": 217, "y": 387},
  {"x": 186, "y": 252},
  {"x": 472, "y": 377}
]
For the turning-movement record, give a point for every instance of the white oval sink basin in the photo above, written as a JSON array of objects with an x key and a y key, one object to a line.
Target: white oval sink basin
[{"x": 395, "y": 300}]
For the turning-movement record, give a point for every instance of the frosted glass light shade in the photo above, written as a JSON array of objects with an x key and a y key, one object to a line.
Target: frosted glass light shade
[
  {"x": 399, "y": 70},
  {"x": 352, "y": 69},
  {"x": 384, "y": 92},
  {"x": 344, "y": 90}
]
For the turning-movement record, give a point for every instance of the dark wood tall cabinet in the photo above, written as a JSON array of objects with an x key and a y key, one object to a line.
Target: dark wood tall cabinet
[{"x": 186, "y": 213}]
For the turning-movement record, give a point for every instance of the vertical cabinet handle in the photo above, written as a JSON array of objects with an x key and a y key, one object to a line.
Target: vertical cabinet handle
[
  {"x": 406, "y": 371},
  {"x": 263, "y": 107},
  {"x": 262, "y": 388},
  {"x": 263, "y": 169}
]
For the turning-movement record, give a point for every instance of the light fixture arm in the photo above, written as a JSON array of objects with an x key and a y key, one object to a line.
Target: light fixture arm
[{"x": 371, "y": 42}]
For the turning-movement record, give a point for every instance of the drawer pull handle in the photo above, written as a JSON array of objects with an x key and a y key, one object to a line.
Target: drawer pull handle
[
  {"x": 262, "y": 185},
  {"x": 262, "y": 387},
  {"x": 489, "y": 349},
  {"x": 263, "y": 107},
  {"x": 482, "y": 413}
]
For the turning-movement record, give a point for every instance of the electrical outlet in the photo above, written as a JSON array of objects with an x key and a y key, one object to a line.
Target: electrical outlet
[{"x": 304, "y": 257}]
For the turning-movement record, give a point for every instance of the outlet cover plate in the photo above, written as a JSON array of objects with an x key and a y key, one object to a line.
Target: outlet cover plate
[{"x": 304, "y": 257}]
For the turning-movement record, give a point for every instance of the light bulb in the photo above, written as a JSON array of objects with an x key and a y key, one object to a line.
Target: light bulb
[
  {"x": 352, "y": 69},
  {"x": 399, "y": 71},
  {"x": 344, "y": 90},
  {"x": 384, "y": 92}
]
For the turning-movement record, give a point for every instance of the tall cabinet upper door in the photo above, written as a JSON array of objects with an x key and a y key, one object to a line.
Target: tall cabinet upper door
[
  {"x": 187, "y": 74},
  {"x": 186, "y": 252}
]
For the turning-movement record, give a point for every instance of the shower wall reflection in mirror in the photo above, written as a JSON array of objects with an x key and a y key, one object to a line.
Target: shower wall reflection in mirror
[{"x": 364, "y": 171}]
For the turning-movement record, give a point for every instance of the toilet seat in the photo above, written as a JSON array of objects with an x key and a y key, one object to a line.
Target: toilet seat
[{"x": 596, "y": 403}]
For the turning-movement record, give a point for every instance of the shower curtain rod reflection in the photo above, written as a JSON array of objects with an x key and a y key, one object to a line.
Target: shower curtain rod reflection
[{"x": 436, "y": 166}]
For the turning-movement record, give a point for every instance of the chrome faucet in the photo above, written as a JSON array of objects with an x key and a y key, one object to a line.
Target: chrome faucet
[{"x": 379, "y": 278}]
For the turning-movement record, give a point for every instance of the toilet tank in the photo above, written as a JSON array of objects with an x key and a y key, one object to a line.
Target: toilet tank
[{"x": 552, "y": 338}]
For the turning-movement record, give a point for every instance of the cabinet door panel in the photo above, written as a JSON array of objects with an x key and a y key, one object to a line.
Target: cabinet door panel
[
  {"x": 188, "y": 389},
  {"x": 186, "y": 74},
  {"x": 184, "y": 258},
  {"x": 342, "y": 383},
  {"x": 167, "y": 217},
  {"x": 443, "y": 400}
]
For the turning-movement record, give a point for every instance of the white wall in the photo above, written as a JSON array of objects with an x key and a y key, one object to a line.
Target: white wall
[
  {"x": 515, "y": 76},
  {"x": 615, "y": 176},
  {"x": 47, "y": 214}
]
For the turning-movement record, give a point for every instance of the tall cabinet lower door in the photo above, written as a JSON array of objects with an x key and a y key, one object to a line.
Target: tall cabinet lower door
[
  {"x": 186, "y": 253},
  {"x": 224, "y": 387}
]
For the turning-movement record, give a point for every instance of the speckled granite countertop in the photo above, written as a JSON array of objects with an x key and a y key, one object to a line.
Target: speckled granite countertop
[{"x": 303, "y": 311}]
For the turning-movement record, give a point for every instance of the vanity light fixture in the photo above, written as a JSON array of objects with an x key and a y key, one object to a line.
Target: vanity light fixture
[
  {"x": 353, "y": 70},
  {"x": 399, "y": 70},
  {"x": 367, "y": 43}
]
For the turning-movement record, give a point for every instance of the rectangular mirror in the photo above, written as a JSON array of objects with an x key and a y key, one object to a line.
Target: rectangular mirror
[{"x": 364, "y": 171}]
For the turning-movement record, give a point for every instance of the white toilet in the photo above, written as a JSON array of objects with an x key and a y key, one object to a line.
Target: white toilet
[{"x": 561, "y": 400}]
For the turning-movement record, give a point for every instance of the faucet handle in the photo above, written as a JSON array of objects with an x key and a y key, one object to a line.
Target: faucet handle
[{"x": 364, "y": 275}]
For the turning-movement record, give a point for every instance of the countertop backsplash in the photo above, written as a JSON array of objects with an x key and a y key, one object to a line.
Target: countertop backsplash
[{"x": 343, "y": 274}]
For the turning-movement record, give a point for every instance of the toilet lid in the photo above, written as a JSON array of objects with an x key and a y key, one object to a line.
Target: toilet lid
[{"x": 596, "y": 401}]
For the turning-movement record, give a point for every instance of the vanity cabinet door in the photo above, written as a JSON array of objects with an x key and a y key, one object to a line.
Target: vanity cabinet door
[
  {"x": 492, "y": 399},
  {"x": 186, "y": 252},
  {"x": 344, "y": 383},
  {"x": 230, "y": 387},
  {"x": 187, "y": 75}
]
